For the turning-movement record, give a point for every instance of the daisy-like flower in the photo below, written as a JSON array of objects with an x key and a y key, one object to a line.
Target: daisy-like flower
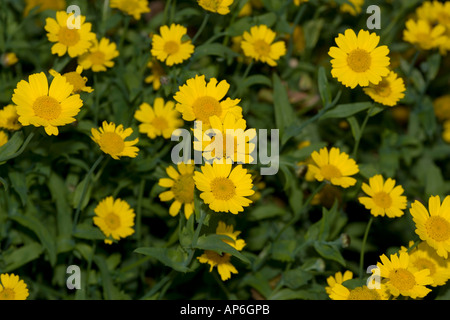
[
  {"x": 115, "y": 219},
  {"x": 159, "y": 120},
  {"x": 3, "y": 138},
  {"x": 198, "y": 100},
  {"x": 259, "y": 45},
  {"x": 339, "y": 292},
  {"x": 230, "y": 140},
  {"x": 441, "y": 107},
  {"x": 9, "y": 119},
  {"x": 422, "y": 34},
  {"x": 75, "y": 79},
  {"x": 44, "y": 5},
  {"x": 157, "y": 73},
  {"x": 217, "y": 6},
  {"x": 8, "y": 59},
  {"x": 223, "y": 189},
  {"x": 73, "y": 41},
  {"x": 388, "y": 91},
  {"x": 384, "y": 198},
  {"x": 357, "y": 60},
  {"x": 401, "y": 278},
  {"x": 100, "y": 55},
  {"x": 169, "y": 47},
  {"x": 111, "y": 140},
  {"x": 12, "y": 288},
  {"x": 224, "y": 229},
  {"x": 354, "y": 8},
  {"x": 433, "y": 226},
  {"x": 333, "y": 166},
  {"x": 338, "y": 278},
  {"x": 39, "y": 105},
  {"x": 132, "y": 7},
  {"x": 181, "y": 184}
]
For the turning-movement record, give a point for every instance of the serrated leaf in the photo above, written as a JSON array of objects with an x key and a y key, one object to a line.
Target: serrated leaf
[{"x": 329, "y": 252}]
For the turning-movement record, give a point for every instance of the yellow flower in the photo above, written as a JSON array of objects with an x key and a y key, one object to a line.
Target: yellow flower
[
  {"x": 73, "y": 41},
  {"x": 422, "y": 34},
  {"x": 446, "y": 132},
  {"x": 338, "y": 278},
  {"x": 157, "y": 74},
  {"x": 169, "y": 48},
  {"x": 100, "y": 55},
  {"x": 384, "y": 197},
  {"x": 3, "y": 138},
  {"x": 39, "y": 105},
  {"x": 111, "y": 140},
  {"x": 442, "y": 107},
  {"x": 75, "y": 79},
  {"x": 388, "y": 91},
  {"x": 44, "y": 5},
  {"x": 11, "y": 288},
  {"x": 354, "y": 8},
  {"x": 115, "y": 219},
  {"x": 9, "y": 119},
  {"x": 224, "y": 229},
  {"x": 8, "y": 59},
  {"x": 198, "y": 100},
  {"x": 132, "y": 7},
  {"x": 357, "y": 60},
  {"x": 333, "y": 166},
  {"x": 339, "y": 292},
  {"x": 223, "y": 189},
  {"x": 217, "y": 6},
  {"x": 181, "y": 184},
  {"x": 433, "y": 226},
  {"x": 258, "y": 45},
  {"x": 401, "y": 278}
]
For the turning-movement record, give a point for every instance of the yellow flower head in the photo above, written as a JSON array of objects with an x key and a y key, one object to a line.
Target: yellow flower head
[
  {"x": 3, "y": 138},
  {"x": 157, "y": 73},
  {"x": 224, "y": 229},
  {"x": 115, "y": 219},
  {"x": 9, "y": 119},
  {"x": 217, "y": 6},
  {"x": 100, "y": 55},
  {"x": 73, "y": 41},
  {"x": 258, "y": 45},
  {"x": 446, "y": 131},
  {"x": 159, "y": 120},
  {"x": 422, "y": 34},
  {"x": 132, "y": 7},
  {"x": 223, "y": 189},
  {"x": 433, "y": 225},
  {"x": 338, "y": 278},
  {"x": 11, "y": 288},
  {"x": 169, "y": 47},
  {"x": 354, "y": 8},
  {"x": 339, "y": 292},
  {"x": 442, "y": 107},
  {"x": 388, "y": 91},
  {"x": 384, "y": 198},
  {"x": 8, "y": 59},
  {"x": 39, "y": 105},
  {"x": 75, "y": 79},
  {"x": 181, "y": 184},
  {"x": 44, "y": 5},
  {"x": 333, "y": 166},
  {"x": 198, "y": 100},
  {"x": 357, "y": 60},
  {"x": 111, "y": 140}
]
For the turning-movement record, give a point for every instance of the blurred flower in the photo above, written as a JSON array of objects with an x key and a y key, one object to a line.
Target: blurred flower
[
  {"x": 181, "y": 184},
  {"x": 442, "y": 107},
  {"x": 422, "y": 34},
  {"x": 388, "y": 91},
  {"x": 73, "y": 41},
  {"x": 132, "y": 7},
  {"x": 401, "y": 114},
  {"x": 338, "y": 278},
  {"x": 157, "y": 72},
  {"x": 258, "y": 184},
  {"x": 446, "y": 131},
  {"x": 354, "y": 8},
  {"x": 217, "y": 6},
  {"x": 115, "y": 218},
  {"x": 169, "y": 48},
  {"x": 111, "y": 140},
  {"x": 246, "y": 10},
  {"x": 100, "y": 55},
  {"x": 258, "y": 44},
  {"x": 357, "y": 60},
  {"x": 11, "y": 288},
  {"x": 3, "y": 138},
  {"x": 298, "y": 37},
  {"x": 303, "y": 165},
  {"x": 8, "y": 59},
  {"x": 75, "y": 79},
  {"x": 9, "y": 119},
  {"x": 39, "y": 105},
  {"x": 327, "y": 196},
  {"x": 44, "y": 5}
]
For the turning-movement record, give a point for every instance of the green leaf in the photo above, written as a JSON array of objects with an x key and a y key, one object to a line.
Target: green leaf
[
  {"x": 110, "y": 292},
  {"x": 346, "y": 110},
  {"x": 265, "y": 212},
  {"x": 312, "y": 28},
  {"x": 321, "y": 230},
  {"x": 19, "y": 257},
  {"x": 283, "y": 250},
  {"x": 88, "y": 232},
  {"x": 330, "y": 252},
  {"x": 289, "y": 294},
  {"x": 173, "y": 258},
  {"x": 433, "y": 64},
  {"x": 214, "y": 49},
  {"x": 215, "y": 242},
  {"x": 18, "y": 182},
  {"x": 78, "y": 193},
  {"x": 12, "y": 145},
  {"x": 354, "y": 125},
  {"x": 284, "y": 113},
  {"x": 296, "y": 278},
  {"x": 324, "y": 89},
  {"x": 256, "y": 79}
]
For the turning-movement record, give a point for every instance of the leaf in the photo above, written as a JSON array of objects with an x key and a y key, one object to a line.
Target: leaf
[
  {"x": 330, "y": 252},
  {"x": 19, "y": 257},
  {"x": 173, "y": 258},
  {"x": 215, "y": 242},
  {"x": 324, "y": 89},
  {"x": 284, "y": 113},
  {"x": 321, "y": 230},
  {"x": 110, "y": 292},
  {"x": 88, "y": 232},
  {"x": 214, "y": 49},
  {"x": 432, "y": 66},
  {"x": 312, "y": 28},
  {"x": 265, "y": 212},
  {"x": 256, "y": 79},
  {"x": 283, "y": 250},
  {"x": 78, "y": 193},
  {"x": 296, "y": 278},
  {"x": 18, "y": 182},
  {"x": 346, "y": 110},
  {"x": 12, "y": 145},
  {"x": 354, "y": 125}
]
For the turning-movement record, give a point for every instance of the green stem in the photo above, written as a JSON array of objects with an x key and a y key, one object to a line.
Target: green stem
[
  {"x": 202, "y": 26},
  {"x": 139, "y": 212},
  {"x": 124, "y": 33},
  {"x": 166, "y": 10},
  {"x": 297, "y": 18},
  {"x": 21, "y": 150},
  {"x": 195, "y": 238},
  {"x": 363, "y": 247},
  {"x": 244, "y": 76},
  {"x": 363, "y": 127}
]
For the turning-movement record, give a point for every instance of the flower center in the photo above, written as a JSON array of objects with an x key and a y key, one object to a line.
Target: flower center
[
  {"x": 383, "y": 89},
  {"x": 330, "y": 171},
  {"x": 223, "y": 188},
  {"x": 261, "y": 47},
  {"x": 7, "y": 294},
  {"x": 205, "y": 107},
  {"x": 75, "y": 79},
  {"x": 160, "y": 123},
  {"x": 438, "y": 228},
  {"x": 363, "y": 293},
  {"x": 171, "y": 47},
  {"x": 382, "y": 199},
  {"x": 112, "y": 143},
  {"x": 47, "y": 108},
  {"x": 402, "y": 279},
  {"x": 359, "y": 60},
  {"x": 423, "y": 263},
  {"x": 97, "y": 57},
  {"x": 112, "y": 220},
  {"x": 217, "y": 259},
  {"x": 68, "y": 37},
  {"x": 424, "y": 39},
  {"x": 183, "y": 188}
]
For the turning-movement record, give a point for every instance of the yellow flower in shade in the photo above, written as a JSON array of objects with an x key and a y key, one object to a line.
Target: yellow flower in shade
[
  {"x": 9, "y": 119},
  {"x": 12, "y": 288},
  {"x": 422, "y": 34},
  {"x": 437, "y": 13},
  {"x": 357, "y": 60},
  {"x": 169, "y": 47},
  {"x": 44, "y": 5},
  {"x": 258, "y": 45},
  {"x": 100, "y": 55},
  {"x": 157, "y": 73},
  {"x": 115, "y": 219},
  {"x": 433, "y": 226},
  {"x": 132, "y": 7},
  {"x": 3, "y": 138},
  {"x": 442, "y": 107},
  {"x": 230, "y": 140},
  {"x": 217, "y": 6},
  {"x": 181, "y": 184},
  {"x": 384, "y": 198},
  {"x": 223, "y": 189},
  {"x": 75, "y": 79},
  {"x": 198, "y": 100},
  {"x": 224, "y": 229},
  {"x": 354, "y": 8},
  {"x": 39, "y": 105},
  {"x": 446, "y": 132},
  {"x": 425, "y": 257},
  {"x": 8, "y": 59},
  {"x": 388, "y": 91},
  {"x": 111, "y": 140},
  {"x": 159, "y": 120},
  {"x": 338, "y": 278},
  {"x": 401, "y": 279},
  {"x": 339, "y": 292},
  {"x": 73, "y": 41},
  {"x": 333, "y": 166}
]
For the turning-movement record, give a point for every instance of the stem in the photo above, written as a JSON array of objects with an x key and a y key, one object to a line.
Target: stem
[
  {"x": 202, "y": 26},
  {"x": 244, "y": 76},
  {"x": 297, "y": 18},
  {"x": 195, "y": 237},
  {"x": 363, "y": 126},
  {"x": 139, "y": 212},
  {"x": 96, "y": 99},
  {"x": 166, "y": 10},
  {"x": 125, "y": 30},
  {"x": 21, "y": 150},
  {"x": 363, "y": 247},
  {"x": 159, "y": 285}
]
